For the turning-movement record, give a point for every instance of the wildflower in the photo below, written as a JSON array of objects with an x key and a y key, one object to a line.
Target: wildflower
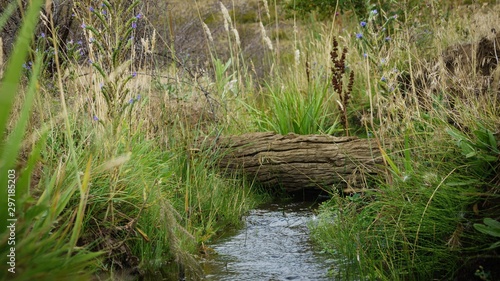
[
  {"x": 134, "y": 24},
  {"x": 382, "y": 61},
  {"x": 83, "y": 26},
  {"x": 27, "y": 66},
  {"x": 131, "y": 101},
  {"x": 95, "y": 118},
  {"x": 91, "y": 9},
  {"x": 90, "y": 61},
  {"x": 138, "y": 97},
  {"x": 383, "y": 79},
  {"x": 42, "y": 35},
  {"x": 363, "y": 23},
  {"x": 365, "y": 55},
  {"x": 359, "y": 35},
  {"x": 134, "y": 74},
  {"x": 139, "y": 16},
  {"x": 374, "y": 12},
  {"x": 388, "y": 38},
  {"x": 79, "y": 42},
  {"x": 103, "y": 12}
]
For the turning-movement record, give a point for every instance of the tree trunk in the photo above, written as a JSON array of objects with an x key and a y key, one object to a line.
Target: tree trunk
[{"x": 297, "y": 162}]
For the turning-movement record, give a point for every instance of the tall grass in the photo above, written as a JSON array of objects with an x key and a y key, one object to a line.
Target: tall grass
[
  {"x": 119, "y": 189},
  {"x": 33, "y": 247},
  {"x": 441, "y": 154}
]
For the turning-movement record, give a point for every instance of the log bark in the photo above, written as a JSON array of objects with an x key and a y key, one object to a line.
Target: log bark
[{"x": 297, "y": 162}]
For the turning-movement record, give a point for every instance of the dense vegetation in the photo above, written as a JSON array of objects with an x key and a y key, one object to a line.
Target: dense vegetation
[{"x": 100, "y": 138}]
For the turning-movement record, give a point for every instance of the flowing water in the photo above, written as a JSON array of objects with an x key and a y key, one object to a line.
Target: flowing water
[{"x": 273, "y": 245}]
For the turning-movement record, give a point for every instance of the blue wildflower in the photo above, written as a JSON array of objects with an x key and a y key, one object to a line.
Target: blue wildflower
[
  {"x": 388, "y": 38},
  {"x": 131, "y": 101},
  {"x": 374, "y": 12},
  {"x": 383, "y": 79},
  {"x": 134, "y": 74},
  {"x": 365, "y": 55},
  {"x": 134, "y": 24},
  {"x": 83, "y": 26},
  {"x": 42, "y": 35},
  {"x": 363, "y": 23},
  {"x": 359, "y": 35},
  {"x": 139, "y": 16},
  {"x": 91, "y": 9},
  {"x": 95, "y": 118}
]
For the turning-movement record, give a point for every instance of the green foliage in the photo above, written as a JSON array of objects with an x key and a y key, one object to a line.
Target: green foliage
[
  {"x": 293, "y": 111},
  {"x": 328, "y": 8},
  {"x": 33, "y": 247},
  {"x": 490, "y": 227}
]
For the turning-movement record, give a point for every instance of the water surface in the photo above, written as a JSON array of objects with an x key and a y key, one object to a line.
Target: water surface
[{"x": 273, "y": 245}]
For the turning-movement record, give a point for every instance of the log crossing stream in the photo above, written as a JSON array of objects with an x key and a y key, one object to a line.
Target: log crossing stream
[{"x": 273, "y": 245}]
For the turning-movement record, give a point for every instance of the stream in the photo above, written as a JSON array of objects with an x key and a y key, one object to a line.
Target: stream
[{"x": 273, "y": 245}]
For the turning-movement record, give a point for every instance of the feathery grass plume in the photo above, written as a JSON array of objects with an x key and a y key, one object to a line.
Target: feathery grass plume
[
  {"x": 226, "y": 16},
  {"x": 297, "y": 57},
  {"x": 207, "y": 32},
  {"x": 266, "y": 39},
  {"x": 237, "y": 37},
  {"x": 266, "y": 9}
]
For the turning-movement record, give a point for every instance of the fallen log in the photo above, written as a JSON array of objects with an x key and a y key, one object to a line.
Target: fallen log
[{"x": 297, "y": 162}]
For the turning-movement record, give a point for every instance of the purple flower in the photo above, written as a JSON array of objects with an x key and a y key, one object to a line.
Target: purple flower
[
  {"x": 363, "y": 23},
  {"x": 134, "y": 24},
  {"x": 388, "y": 38},
  {"x": 374, "y": 12},
  {"x": 83, "y": 26},
  {"x": 131, "y": 101},
  {"x": 42, "y": 34},
  {"x": 359, "y": 35},
  {"x": 365, "y": 55},
  {"x": 138, "y": 97},
  {"x": 383, "y": 79},
  {"x": 95, "y": 118},
  {"x": 134, "y": 74},
  {"x": 139, "y": 16},
  {"x": 91, "y": 9}
]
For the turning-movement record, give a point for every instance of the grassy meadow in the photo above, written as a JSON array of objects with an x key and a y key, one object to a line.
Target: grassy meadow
[{"x": 103, "y": 177}]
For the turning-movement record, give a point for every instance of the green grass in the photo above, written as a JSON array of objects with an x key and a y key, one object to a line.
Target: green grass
[{"x": 110, "y": 178}]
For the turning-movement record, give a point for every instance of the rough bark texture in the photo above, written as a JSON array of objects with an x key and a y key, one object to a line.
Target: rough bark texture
[{"x": 297, "y": 162}]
